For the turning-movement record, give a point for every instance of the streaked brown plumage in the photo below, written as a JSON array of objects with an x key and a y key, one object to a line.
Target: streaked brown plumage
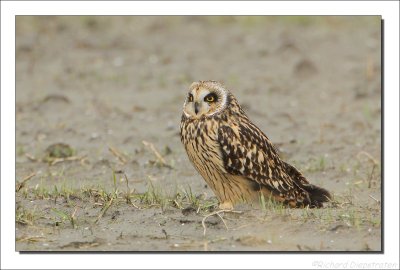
[{"x": 234, "y": 156}]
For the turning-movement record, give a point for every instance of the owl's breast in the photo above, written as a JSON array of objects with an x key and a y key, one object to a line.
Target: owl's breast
[{"x": 200, "y": 139}]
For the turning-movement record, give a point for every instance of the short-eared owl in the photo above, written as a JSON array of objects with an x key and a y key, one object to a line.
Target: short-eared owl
[{"x": 234, "y": 156}]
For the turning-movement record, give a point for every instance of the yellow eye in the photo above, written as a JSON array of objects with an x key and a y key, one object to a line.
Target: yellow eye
[
  {"x": 210, "y": 98},
  {"x": 190, "y": 98}
]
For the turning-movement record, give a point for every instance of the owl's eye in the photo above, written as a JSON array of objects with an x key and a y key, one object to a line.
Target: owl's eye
[
  {"x": 190, "y": 98},
  {"x": 211, "y": 98}
]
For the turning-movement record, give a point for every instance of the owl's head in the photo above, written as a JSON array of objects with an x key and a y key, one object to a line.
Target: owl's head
[{"x": 205, "y": 98}]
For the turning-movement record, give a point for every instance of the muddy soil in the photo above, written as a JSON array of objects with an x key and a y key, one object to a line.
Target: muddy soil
[{"x": 112, "y": 89}]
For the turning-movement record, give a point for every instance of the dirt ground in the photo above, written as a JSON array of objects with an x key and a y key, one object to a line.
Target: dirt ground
[{"x": 112, "y": 89}]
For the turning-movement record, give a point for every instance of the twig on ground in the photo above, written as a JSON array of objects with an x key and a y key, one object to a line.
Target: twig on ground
[
  {"x": 73, "y": 218},
  {"x": 128, "y": 191},
  {"x": 203, "y": 222},
  {"x": 30, "y": 239},
  {"x": 226, "y": 226},
  {"x": 374, "y": 162},
  {"x": 73, "y": 158},
  {"x": 157, "y": 154},
  {"x": 20, "y": 185},
  {"x": 31, "y": 157},
  {"x": 369, "y": 156},
  {"x": 375, "y": 199},
  {"x": 118, "y": 154},
  {"x": 104, "y": 210},
  {"x": 370, "y": 176}
]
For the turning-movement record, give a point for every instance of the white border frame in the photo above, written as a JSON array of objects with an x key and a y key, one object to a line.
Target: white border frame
[{"x": 390, "y": 13}]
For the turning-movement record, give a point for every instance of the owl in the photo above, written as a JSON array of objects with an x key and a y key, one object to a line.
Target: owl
[{"x": 235, "y": 158}]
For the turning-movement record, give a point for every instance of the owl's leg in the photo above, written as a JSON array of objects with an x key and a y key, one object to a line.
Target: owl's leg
[{"x": 226, "y": 205}]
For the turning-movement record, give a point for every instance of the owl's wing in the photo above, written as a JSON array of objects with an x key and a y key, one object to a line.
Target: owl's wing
[{"x": 246, "y": 151}]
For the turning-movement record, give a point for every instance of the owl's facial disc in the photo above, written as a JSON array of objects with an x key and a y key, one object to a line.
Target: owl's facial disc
[{"x": 203, "y": 101}]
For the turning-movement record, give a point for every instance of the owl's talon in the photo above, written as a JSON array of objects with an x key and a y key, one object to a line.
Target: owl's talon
[{"x": 226, "y": 206}]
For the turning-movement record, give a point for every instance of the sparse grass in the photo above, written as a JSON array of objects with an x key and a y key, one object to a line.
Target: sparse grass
[
  {"x": 63, "y": 216},
  {"x": 342, "y": 210},
  {"x": 65, "y": 196},
  {"x": 65, "y": 192},
  {"x": 268, "y": 204},
  {"x": 363, "y": 174},
  {"x": 180, "y": 199},
  {"x": 316, "y": 165},
  {"x": 191, "y": 197},
  {"x": 41, "y": 192},
  {"x": 25, "y": 216},
  {"x": 153, "y": 196},
  {"x": 343, "y": 214}
]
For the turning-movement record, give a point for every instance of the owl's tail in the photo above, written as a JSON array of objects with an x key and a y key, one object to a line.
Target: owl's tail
[{"x": 317, "y": 195}]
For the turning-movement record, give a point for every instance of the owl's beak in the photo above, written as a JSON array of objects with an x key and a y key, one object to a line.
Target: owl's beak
[{"x": 196, "y": 107}]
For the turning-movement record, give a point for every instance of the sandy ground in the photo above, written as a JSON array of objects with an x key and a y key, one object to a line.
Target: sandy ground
[{"x": 103, "y": 85}]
